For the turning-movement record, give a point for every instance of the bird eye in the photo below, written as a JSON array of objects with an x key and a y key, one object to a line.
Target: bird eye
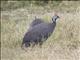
[{"x": 58, "y": 16}]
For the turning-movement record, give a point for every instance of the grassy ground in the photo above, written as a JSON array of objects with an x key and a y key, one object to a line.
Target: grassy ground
[{"x": 64, "y": 43}]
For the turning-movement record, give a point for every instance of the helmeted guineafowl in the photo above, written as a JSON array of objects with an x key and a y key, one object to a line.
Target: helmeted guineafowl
[{"x": 39, "y": 33}]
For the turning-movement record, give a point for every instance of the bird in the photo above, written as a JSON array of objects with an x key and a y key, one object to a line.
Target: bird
[{"x": 39, "y": 33}]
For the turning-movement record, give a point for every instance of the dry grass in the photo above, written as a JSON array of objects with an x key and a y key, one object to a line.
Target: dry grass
[{"x": 64, "y": 44}]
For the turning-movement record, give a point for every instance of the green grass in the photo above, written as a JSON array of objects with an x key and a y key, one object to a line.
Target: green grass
[{"x": 63, "y": 44}]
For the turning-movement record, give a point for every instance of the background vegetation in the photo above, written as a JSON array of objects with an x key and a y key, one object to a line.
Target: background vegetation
[{"x": 64, "y": 43}]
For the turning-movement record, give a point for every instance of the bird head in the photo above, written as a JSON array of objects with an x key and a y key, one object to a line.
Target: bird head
[{"x": 55, "y": 17}]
